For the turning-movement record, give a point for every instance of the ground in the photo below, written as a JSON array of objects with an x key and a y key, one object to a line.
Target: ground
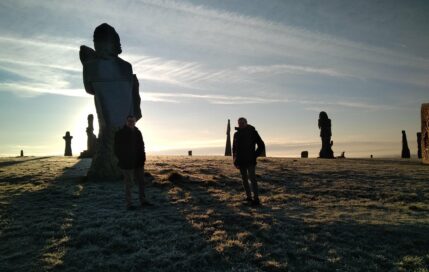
[{"x": 316, "y": 215}]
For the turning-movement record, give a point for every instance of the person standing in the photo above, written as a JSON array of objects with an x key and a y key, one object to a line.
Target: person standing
[
  {"x": 244, "y": 156},
  {"x": 130, "y": 151}
]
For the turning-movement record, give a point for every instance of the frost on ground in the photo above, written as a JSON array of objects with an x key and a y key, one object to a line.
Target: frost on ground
[{"x": 316, "y": 215}]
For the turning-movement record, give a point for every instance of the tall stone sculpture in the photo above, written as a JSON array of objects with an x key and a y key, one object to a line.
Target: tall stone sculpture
[
  {"x": 405, "y": 149},
  {"x": 425, "y": 133},
  {"x": 116, "y": 94},
  {"x": 68, "y": 150},
  {"x": 22, "y": 153},
  {"x": 325, "y": 133},
  {"x": 91, "y": 142},
  {"x": 228, "y": 151},
  {"x": 419, "y": 145}
]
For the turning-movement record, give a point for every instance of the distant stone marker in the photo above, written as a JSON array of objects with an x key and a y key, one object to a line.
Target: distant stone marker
[
  {"x": 68, "y": 150},
  {"x": 116, "y": 94},
  {"x": 228, "y": 151},
  {"x": 419, "y": 145},
  {"x": 190, "y": 153},
  {"x": 425, "y": 133},
  {"x": 325, "y": 133},
  {"x": 22, "y": 153},
  {"x": 91, "y": 142},
  {"x": 405, "y": 149},
  {"x": 304, "y": 154}
]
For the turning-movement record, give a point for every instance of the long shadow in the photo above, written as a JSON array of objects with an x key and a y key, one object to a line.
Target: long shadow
[
  {"x": 9, "y": 163},
  {"x": 34, "y": 219},
  {"x": 271, "y": 240},
  {"x": 104, "y": 236}
]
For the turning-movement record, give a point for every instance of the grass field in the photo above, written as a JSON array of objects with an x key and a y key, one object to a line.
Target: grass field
[{"x": 316, "y": 215}]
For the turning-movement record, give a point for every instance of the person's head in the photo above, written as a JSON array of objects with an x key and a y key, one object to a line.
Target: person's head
[
  {"x": 242, "y": 122},
  {"x": 106, "y": 41},
  {"x": 323, "y": 115},
  {"x": 131, "y": 121}
]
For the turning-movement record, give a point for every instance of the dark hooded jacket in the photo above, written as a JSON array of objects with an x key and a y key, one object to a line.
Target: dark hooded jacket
[
  {"x": 129, "y": 148},
  {"x": 243, "y": 146}
]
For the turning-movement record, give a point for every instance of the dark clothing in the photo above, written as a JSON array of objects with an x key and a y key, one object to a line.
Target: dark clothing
[
  {"x": 243, "y": 146},
  {"x": 129, "y": 148}
]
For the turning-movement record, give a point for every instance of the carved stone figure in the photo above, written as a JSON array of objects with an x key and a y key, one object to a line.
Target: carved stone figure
[
  {"x": 425, "y": 133},
  {"x": 190, "y": 153},
  {"x": 419, "y": 145},
  {"x": 304, "y": 154},
  {"x": 68, "y": 150},
  {"x": 228, "y": 151},
  {"x": 22, "y": 153},
  {"x": 405, "y": 149},
  {"x": 325, "y": 134},
  {"x": 116, "y": 94},
  {"x": 92, "y": 139}
]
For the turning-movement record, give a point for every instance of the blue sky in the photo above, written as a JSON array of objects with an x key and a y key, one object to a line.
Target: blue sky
[{"x": 278, "y": 63}]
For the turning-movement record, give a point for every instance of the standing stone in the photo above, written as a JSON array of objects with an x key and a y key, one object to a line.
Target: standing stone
[
  {"x": 116, "y": 95},
  {"x": 425, "y": 133},
  {"x": 405, "y": 149},
  {"x": 190, "y": 153},
  {"x": 304, "y": 154},
  {"x": 91, "y": 142},
  {"x": 228, "y": 151},
  {"x": 68, "y": 150},
  {"x": 22, "y": 153},
  {"x": 325, "y": 134},
  {"x": 419, "y": 145}
]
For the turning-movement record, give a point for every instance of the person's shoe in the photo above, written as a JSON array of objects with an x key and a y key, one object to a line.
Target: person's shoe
[{"x": 256, "y": 203}]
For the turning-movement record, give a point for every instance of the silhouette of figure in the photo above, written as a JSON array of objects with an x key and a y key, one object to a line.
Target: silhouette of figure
[
  {"x": 116, "y": 94},
  {"x": 325, "y": 133},
  {"x": 405, "y": 149},
  {"x": 130, "y": 151},
  {"x": 91, "y": 139},
  {"x": 228, "y": 140},
  {"x": 244, "y": 157},
  {"x": 68, "y": 150}
]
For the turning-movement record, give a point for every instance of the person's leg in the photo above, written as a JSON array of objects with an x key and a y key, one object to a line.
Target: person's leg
[
  {"x": 244, "y": 177},
  {"x": 252, "y": 177},
  {"x": 139, "y": 177},
  {"x": 128, "y": 181}
]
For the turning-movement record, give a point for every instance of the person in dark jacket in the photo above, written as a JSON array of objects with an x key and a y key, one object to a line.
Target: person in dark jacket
[
  {"x": 245, "y": 154},
  {"x": 130, "y": 151}
]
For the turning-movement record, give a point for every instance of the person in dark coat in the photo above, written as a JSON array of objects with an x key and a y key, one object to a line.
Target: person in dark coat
[
  {"x": 130, "y": 151},
  {"x": 244, "y": 156}
]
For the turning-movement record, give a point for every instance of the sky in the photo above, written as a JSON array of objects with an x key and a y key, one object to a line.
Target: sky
[{"x": 276, "y": 62}]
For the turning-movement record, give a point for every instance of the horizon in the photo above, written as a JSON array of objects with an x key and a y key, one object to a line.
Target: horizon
[{"x": 200, "y": 63}]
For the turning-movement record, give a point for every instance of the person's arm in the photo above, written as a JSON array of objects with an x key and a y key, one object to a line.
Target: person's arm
[
  {"x": 260, "y": 144},
  {"x": 234, "y": 150},
  {"x": 117, "y": 144}
]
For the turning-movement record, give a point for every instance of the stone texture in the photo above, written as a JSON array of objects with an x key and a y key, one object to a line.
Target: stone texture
[
  {"x": 425, "y": 133},
  {"x": 116, "y": 95}
]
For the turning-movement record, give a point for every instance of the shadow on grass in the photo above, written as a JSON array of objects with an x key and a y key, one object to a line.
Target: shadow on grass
[
  {"x": 269, "y": 239},
  {"x": 34, "y": 219},
  {"x": 9, "y": 163}
]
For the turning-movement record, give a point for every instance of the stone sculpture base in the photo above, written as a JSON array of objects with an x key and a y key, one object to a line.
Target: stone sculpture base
[{"x": 104, "y": 166}]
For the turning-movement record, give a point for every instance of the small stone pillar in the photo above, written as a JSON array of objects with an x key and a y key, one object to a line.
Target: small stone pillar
[
  {"x": 91, "y": 141},
  {"x": 68, "y": 150},
  {"x": 304, "y": 154},
  {"x": 405, "y": 149},
  {"x": 22, "y": 153},
  {"x": 190, "y": 153},
  {"x": 228, "y": 151}
]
